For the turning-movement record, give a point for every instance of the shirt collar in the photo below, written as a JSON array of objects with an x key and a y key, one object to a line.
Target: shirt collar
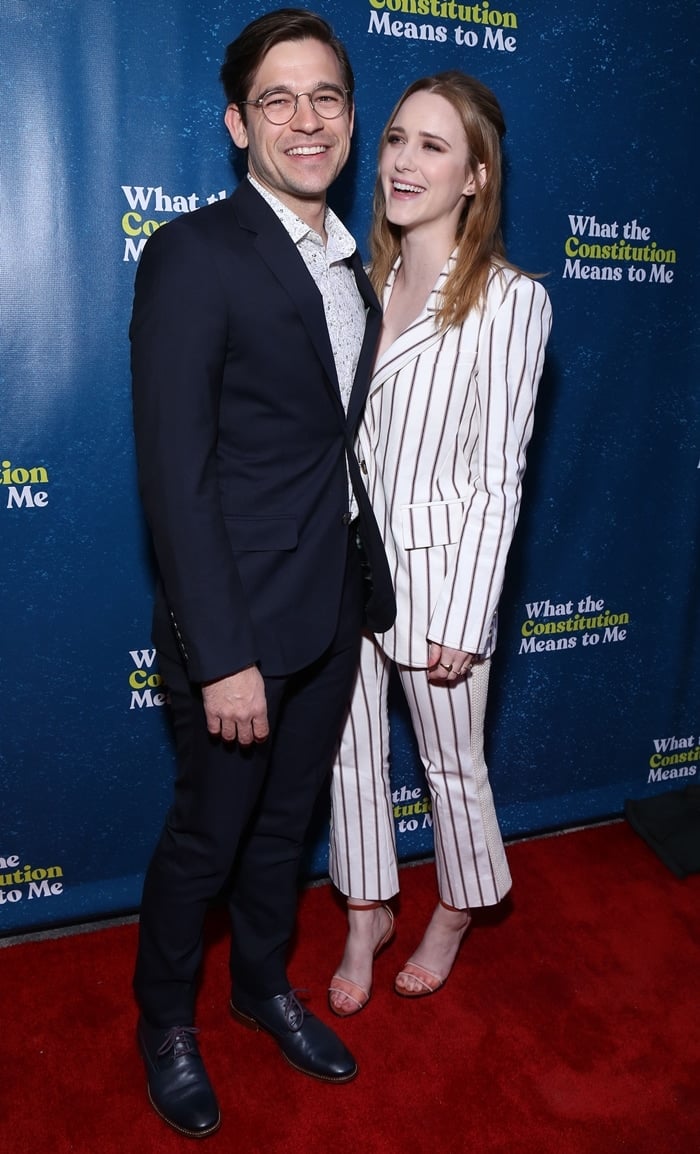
[{"x": 341, "y": 243}]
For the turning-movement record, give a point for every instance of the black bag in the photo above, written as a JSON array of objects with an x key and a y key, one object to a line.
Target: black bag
[{"x": 367, "y": 582}]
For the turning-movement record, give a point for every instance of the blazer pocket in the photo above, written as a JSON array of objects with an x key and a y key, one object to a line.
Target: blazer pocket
[
  {"x": 431, "y": 523},
  {"x": 262, "y": 534}
]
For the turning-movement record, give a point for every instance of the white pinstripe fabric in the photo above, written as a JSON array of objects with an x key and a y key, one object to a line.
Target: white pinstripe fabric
[
  {"x": 362, "y": 840},
  {"x": 446, "y": 426},
  {"x": 448, "y": 722},
  {"x": 445, "y": 431}
]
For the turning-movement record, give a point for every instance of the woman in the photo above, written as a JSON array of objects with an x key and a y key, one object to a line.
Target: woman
[{"x": 447, "y": 422}]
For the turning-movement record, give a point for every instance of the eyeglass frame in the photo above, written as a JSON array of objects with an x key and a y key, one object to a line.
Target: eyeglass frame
[{"x": 347, "y": 93}]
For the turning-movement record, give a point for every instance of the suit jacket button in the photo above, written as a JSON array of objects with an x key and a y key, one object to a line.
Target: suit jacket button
[
  {"x": 363, "y": 466},
  {"x": 346, "y": 518}
]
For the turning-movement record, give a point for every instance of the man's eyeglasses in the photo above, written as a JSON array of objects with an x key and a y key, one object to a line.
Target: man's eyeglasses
[{"x": 279, "y": 105}]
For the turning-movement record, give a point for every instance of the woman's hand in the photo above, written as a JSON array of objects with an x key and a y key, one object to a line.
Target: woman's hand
[{"x": 447, "y": 665}]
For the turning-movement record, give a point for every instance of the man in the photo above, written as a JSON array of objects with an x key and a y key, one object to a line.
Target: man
[{"x": 253, "y": 334}]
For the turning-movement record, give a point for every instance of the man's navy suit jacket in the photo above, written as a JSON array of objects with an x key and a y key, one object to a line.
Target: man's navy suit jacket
[{"x": 241, "y": 443}]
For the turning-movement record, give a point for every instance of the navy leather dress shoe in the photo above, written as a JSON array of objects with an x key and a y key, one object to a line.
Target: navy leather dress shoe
[
  {"x": 178, "y": 1087},
  {"x": 306, "y": 1042}
]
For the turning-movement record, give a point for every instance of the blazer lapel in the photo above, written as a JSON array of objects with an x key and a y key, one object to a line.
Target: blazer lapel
[
  {"x": 419, "y": 335},
  {"x": 282, "y": 257},
  {"x": 275, "y": 247}
]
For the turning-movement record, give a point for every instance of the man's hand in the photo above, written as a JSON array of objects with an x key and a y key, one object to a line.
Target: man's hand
[{"x": 236, "y": 708}]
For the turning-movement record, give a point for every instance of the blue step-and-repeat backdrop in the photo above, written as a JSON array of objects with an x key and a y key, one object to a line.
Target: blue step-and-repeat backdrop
[{"x": 111, "y": 124}]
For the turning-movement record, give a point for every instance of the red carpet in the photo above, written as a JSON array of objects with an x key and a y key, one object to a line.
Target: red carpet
[{"x": 571, "y": 1025}]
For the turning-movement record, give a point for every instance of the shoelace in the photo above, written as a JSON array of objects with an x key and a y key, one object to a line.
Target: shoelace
[
  {"x": 293, "y": 1009},
  {"x": 180, "y": 1037}
]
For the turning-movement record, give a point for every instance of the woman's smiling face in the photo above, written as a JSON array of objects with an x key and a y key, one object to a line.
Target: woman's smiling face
[{"x": 424, "y": 165}]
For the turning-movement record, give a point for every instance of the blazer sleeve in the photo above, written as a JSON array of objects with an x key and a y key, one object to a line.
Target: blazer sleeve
[
  {"x": 510, "y": 357},
  {"x": 179, "y": 338}
]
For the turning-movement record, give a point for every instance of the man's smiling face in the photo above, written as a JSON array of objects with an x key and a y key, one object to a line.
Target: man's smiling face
[{"x": 299, "y": 160}]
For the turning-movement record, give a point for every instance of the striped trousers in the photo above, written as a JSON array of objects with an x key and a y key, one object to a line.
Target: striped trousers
[{"x": 448, "y": 722}]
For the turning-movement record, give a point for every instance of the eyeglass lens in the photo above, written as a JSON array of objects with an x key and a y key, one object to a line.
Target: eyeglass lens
[{"x": 279, "y": 106}]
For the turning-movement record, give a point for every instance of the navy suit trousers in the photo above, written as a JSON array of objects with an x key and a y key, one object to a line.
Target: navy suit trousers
[{"x": 239, "y": 818}]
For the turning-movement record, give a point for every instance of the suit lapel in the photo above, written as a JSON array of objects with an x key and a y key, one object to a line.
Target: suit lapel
[
  {"x": 280, "y": 254},
  {"x": 282, "y": 257},
  {"x": 414, "y": 340}
]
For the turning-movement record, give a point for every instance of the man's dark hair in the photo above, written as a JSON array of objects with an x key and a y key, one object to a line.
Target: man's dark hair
[{"x": 246, "y": 53}]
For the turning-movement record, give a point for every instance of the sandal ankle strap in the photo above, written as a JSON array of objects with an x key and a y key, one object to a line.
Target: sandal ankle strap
[
  {"x": 365, "y": 906},
  {"x": 453, "y": 909}
]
